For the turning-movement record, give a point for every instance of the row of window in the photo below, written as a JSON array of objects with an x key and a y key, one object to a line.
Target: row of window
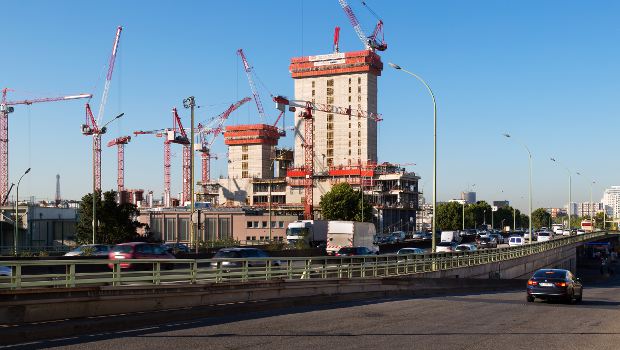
[
  {"x": 210, "y": 229},
  {"x": 263, "y": 238},
  {"x": 263, "y": 224}
]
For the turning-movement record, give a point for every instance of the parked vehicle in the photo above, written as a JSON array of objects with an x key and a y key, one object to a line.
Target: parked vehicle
[
  {"x": 406, "y": 251},
  {"x": 354, "y": 251},
  {"x": 514, "y": 241},
  {"x": 450, "y": 236},
  {"x": 557, "y": 227},
  {"x": 419, "y": 236},
  {"x": 90, "y": 250},
  {"x": 138, "y": 250},
  {"x": 313, "y": 232},
  {"x": 554, "y": 284},
  {"x": 342, "y": 234},
  {"x": 6, "y": 271},
  {"x": 544, "y": 236},
  {"x": 581, "y": 232},
  {"x": 466, "y": 247},
  {"x": 486, "y": 242},
  {"x": 241, "y": 253},
  {"x": 176, "y": 247},
  {"x": 445, "y": 247},
  {"x": 499, "y": 239}
]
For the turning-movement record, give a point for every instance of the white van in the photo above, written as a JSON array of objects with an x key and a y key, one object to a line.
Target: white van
[
  {"x": 514, "y": 241},
  {"x": 544, "y": 236}
]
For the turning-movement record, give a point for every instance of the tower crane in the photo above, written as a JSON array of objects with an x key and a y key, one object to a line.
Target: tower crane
[
  {"x": 178, "y": 135},
  {"x": 6, "y": 107},
  {"x": 120, "y": 142},
  {"x": 162, "y": 133},
  {"x": 91, "y": 126},
  {"x": 308, "y": 118},
  {"x": 372, "y": 42},
  {"x": 204, "y": 147}
]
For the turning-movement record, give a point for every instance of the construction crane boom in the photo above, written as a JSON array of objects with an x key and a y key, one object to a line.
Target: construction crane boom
[
  {"x": 248, "y": 71},
  {"x": 205, "y": 145},
  {"x": 371, "y": 42},
  {"x": 108, "y": 78},
  {"x": 5, "y": 109}
]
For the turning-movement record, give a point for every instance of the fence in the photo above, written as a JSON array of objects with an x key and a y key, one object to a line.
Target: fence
[{"x": 74, "y": 273}]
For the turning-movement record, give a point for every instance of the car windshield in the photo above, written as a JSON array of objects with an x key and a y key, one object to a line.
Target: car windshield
[
  {"x": 122, "y": 249},
  {"x": 227, "y": 254},
  {"x": 408, "y": 251},
  {"x": 550, "y": 274},
  {"x": 543, "y": 234}
]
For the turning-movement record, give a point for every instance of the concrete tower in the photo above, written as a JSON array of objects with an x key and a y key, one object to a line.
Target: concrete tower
[{"x": 342, "y": 80}]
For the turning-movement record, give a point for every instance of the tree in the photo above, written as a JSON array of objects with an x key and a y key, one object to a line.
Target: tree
[
  {"x": 449, "y": 216},
  {"x": 116, "y": 223},
  {"x": 345, "y": 203},
  {"x": 540, "y": 218}
]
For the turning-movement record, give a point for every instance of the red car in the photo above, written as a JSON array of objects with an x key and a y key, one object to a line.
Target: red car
[{"x": 137, "y": 250}]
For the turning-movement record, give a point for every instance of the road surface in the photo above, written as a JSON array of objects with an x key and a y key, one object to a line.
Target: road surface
[{"x": 483, "y": 321}]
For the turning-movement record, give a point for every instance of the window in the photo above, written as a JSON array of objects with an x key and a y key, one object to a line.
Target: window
[
  {"x": 330, "y": 82},
  {"x": 224, "y": 228},
  {"x": 330, "y": 152},
  {"x": 273, "y": 224},
  {"x": 184, "y": 229},
  {"x": 330, "y": 100},
  {"x": 248, "y": 225},
  {"x": 244, "y": 148},
  {"x": 313, "y": 93},
  {"x": 349, "y": 89},
  {"x": 313, "y": 84},
  {"x": 359, "y": 80},
  {"x": 244, "y": 166},
  {"x": 264, "y": 224},
  {"x": 359, "y": 89},
  {"x": 244, "y": 156},
  {"x": 170, "y": 229},
  {"x": 281, "y": 224},
  {"x": 349, "y": 98},
  {"x": 255, "y": 224},
  {"x": 209, "y": 229},
  {"x": 247, "y": 238},
  {"x": 330, "y": 91},
  {"x": 245, "y": 174},
  {"x": 349, "y": 80}
]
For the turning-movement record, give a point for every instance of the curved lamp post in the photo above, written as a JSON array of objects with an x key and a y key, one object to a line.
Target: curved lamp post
[
  {"x": 17, "y": 212},
  {"x": 529, "y": 154},
  {"x": 434, "y": 222}
]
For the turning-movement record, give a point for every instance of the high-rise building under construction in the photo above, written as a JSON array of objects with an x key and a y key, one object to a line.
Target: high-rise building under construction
[{"x": 343, "y": 80}]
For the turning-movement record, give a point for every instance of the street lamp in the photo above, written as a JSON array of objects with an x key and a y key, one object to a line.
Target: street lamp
[
  {"x": 17, "y": 212},
  {"x": 568, "y": 207},
  {"x": 98, "y": 135},
  {"x": 434, "y": 222},
  {"x": 530, "y": 186}
]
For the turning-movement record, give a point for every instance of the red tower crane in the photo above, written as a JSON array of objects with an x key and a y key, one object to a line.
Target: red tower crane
[
  {"x": 120, "y": 142},
  {"x": 204, "y": 147},
  {"x": 5, "y": 109},
  {"x": 91, "y": 127},
  {"x": 372, "y": 42},
  {"x": 162, "y": 133},
  {"x": 178, "y": 135},
  {"x": 308, "y": 170}
]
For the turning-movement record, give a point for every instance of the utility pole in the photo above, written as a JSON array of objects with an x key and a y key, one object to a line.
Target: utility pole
[{"x": 191, "y": 103}]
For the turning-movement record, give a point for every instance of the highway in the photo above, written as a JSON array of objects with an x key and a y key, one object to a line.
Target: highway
[{"x": 483, "y": 321}]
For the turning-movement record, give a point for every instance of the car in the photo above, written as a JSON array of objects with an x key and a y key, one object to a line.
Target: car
[
  {"x": 90, "y": 250},
  {"x": 138, "y": 250},
  {"x": 353, "y": 251},
  {"x": 398, "y": 236},
  {"x": 6, "y": 271},
  {"x": 466, "y": 247},
  {"x": 554, "y": 284},
  {"x": 445, "y": 247},
  {"x": 544, "y": 236},
  {"x": 487, "y": 242},
  {"x": 581, "y": 232},
  {"x": 407, "y": 251},
  {"x": 514, "y": 241},
  {"x": 419, "y": 236},
  {"x": 174, "y": 247},
  {"x": 498, "y": 237},
  {"x": 254, "y": 256}
]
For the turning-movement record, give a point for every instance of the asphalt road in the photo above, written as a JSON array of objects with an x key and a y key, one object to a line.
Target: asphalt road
[{"x": 483, "y": 321}]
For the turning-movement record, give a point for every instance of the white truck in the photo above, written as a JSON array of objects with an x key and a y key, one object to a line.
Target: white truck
[
  {"x": 350, "y": 234},
  {"x": 450, "y": 236},
  {"x": 313, "y": 232}
]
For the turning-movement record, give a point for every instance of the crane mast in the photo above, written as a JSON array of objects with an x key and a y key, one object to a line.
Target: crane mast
[
  {"x": 120, "y": 142},
  {"x": 5, "y": 109}
]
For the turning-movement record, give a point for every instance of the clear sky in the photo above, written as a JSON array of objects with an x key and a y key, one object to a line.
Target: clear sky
[{"x": 547, "y": 72}]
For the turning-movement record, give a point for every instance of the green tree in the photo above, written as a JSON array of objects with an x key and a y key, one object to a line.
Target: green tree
[
  {"x": 116, "y": 223},
  {"x": 449, "y": 216},
  {"x": 345, "y": 203},
  {"x": 540, "y": 218}
]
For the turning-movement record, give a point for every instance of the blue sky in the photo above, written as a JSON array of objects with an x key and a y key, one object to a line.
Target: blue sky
[{"x": 547, "y": 72}]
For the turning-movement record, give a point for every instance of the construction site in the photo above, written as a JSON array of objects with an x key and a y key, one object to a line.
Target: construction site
[{"x": 268, "y": 184}]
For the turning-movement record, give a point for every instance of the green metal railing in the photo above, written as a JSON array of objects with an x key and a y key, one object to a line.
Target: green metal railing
[{"x": 76, "y": 273}]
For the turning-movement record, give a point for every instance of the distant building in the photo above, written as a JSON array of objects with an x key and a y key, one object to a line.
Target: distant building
[
  {"x": 573, "y": 209},
  {"x": 469, "y": 197},
  {"x": 501, "y": 204},
  {"x": 588, "y": 208},
  {"x": 611, "y": 199},
  {"x": 557, "y": 212}
]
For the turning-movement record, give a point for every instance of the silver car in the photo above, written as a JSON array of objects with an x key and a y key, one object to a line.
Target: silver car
[{"x": 90, "y": 250}]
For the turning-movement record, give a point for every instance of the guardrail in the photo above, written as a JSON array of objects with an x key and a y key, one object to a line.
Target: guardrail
[{"x": 74, "y": 273}]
